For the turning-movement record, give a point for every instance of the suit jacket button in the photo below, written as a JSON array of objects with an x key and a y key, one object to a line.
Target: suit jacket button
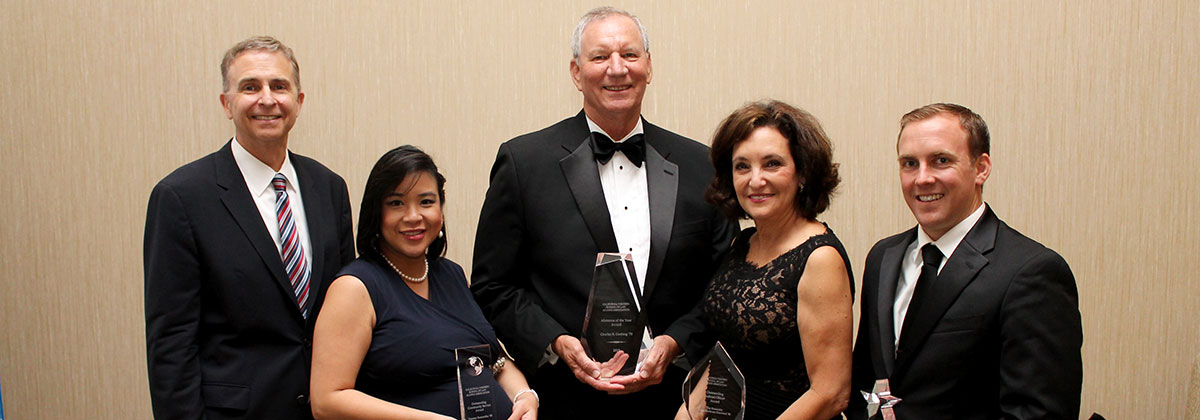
[
  {"x": 301, "y": 400},
  {"x": 307, "y": 343}
]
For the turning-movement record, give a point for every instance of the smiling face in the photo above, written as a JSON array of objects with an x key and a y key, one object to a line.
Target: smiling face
[
  {"x": 764, "y": 176},
  {"x": 411, "y": 220},
  {"x": 613, "y": 69},
  {"x": 263, "y": 99},
  {"x": 941, "y": 183}
]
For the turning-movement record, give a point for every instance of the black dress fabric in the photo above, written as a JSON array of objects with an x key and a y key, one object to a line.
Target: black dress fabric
[
  {"x": 411, "y": 359},
  {"x": 752, "y": 312}
]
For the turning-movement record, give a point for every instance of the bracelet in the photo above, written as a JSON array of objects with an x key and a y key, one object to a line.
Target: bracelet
[
  {"x": 496, "y": 367},
  {"x": 537, "y": 400}
]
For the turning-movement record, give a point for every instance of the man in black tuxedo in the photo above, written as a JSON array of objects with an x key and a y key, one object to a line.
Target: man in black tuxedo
[
  {"x": 239, "y": 247},
  {"x": 996, "y": 332},
  {"x": 560, "y": 195}
]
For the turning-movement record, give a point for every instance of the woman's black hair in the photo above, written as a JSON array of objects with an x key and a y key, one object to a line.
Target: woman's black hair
[{"x": 391, "y": 169}]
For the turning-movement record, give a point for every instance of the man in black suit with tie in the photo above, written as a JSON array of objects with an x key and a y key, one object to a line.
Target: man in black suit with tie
[
  {"x": 239, "y": 247},
  {"x": 560, "y": 195},
  {"x": 964, "y": 316}
]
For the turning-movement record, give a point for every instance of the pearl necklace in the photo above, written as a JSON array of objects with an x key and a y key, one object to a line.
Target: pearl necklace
[{"x": 405, "y": 276}]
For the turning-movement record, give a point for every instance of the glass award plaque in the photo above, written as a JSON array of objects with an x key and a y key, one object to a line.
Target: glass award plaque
[
  {"x": 614, "y": 320},
  {"x": 475, "y": 393},
  {"x": 715, "y": 388}
]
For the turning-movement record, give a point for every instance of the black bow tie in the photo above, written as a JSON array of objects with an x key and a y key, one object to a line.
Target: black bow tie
[{"x": 634, "y": 148}]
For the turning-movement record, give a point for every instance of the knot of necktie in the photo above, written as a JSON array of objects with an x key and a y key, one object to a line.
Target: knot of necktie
[
  {"x": 279, "y": 182},
  {"x": 634, "y": 148},
  {"x": 931, "y": 255}
]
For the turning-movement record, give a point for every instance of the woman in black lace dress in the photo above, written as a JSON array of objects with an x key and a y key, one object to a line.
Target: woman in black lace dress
[{"x": 781, "y": 302}]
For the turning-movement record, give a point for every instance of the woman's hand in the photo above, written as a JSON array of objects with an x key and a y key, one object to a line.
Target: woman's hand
[{"x": 525, "y": 408}]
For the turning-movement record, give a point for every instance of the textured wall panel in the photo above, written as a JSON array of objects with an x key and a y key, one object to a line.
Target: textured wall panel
[{"x": 1090, "y": 105}]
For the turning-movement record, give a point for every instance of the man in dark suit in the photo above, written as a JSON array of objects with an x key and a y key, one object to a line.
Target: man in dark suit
[
  {"x": 239, "y": 247},
  {"x": 965, "y": 317},
  {"x": 560, "y": 195}
]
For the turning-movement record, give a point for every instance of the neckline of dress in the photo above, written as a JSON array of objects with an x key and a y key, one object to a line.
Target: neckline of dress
[
  {"x": 428, "y": 282},
  {"x": 771, "y": 263}
]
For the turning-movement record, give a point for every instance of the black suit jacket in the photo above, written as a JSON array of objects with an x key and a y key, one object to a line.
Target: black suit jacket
[
  {"x": 544, "y": 219},
  {"x": 998, "y": 337},
  {"x": 224, "y": 334}
]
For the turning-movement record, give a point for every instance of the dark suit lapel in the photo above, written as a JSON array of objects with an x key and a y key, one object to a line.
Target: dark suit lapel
[
  {"x": 889, "y": 276},
  {"x": 962, "y": 267},
  {"x": 663, "y": 186},
  {"x": 583, "y": 177},
  {"x": 241, "y": 206},
  {"x": 315, "y": 194}
]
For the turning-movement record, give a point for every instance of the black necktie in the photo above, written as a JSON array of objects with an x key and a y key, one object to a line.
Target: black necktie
[
  {"x": 932, "y": 257},
  {"x": 634, "y": 148}
]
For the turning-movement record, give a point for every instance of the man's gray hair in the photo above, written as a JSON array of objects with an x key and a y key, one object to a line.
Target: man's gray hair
[
  {"x": 598, "y": 14},
  {"x": 258, "y": 43}
]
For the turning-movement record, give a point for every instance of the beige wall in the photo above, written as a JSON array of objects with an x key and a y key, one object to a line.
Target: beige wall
[{"x": 1092, "y": 106}]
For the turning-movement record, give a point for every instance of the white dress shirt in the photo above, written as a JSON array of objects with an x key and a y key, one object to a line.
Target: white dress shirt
[
  {"x": 258, "y": 177},
  {"x": 910, "y": 266},
  {"x": 628, "y": 199}
]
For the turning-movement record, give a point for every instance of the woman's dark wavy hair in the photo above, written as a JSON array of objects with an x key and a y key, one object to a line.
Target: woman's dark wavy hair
[
  {"x": 389, "y": 171},
  {"x": 810, "y": 148}
]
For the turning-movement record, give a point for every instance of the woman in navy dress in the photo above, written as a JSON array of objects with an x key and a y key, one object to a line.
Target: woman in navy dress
[
  {"x": 384, "y": 342},
  {"x": 781, "y": 302}
]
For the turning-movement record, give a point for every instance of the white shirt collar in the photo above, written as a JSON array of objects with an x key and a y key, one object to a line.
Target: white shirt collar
[
  {"x": 949, "y": 241},
  {"x": 258, "y": 175},
  {"x": 637, "y": 129}
]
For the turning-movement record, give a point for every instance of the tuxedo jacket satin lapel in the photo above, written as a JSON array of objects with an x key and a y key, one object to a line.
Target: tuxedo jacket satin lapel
[
  {"x": 582, "y": 173},
  {"x": 663, "y": 185},
  {"x": 583, "y": 177}
]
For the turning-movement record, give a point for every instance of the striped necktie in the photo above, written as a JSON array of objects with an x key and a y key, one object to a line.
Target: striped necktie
[{"x": 293, "y": 251}]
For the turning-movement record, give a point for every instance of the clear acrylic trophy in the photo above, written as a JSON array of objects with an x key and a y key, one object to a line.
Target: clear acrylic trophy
[
  {"x": 715, "y": 388},
  {"x": 614, "y": 320},
  {"x": 475, "y": 393},
  {"x": 880, "y": 400}
]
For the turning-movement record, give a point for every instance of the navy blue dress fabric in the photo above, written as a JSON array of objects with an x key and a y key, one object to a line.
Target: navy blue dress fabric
[
  {"x": 411, "y": 359},
  {"x": 752, "y": 311}
]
